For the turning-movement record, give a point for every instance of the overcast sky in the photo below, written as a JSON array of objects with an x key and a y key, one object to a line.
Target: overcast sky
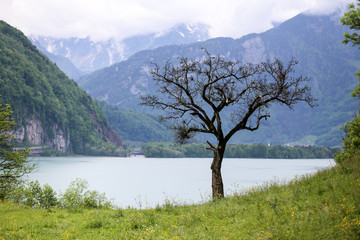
[{"x": 102, "y": 19}]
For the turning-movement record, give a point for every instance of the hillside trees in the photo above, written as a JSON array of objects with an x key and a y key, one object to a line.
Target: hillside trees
[
  {"x": 13, "y": 164},
  {"x": 196, "y": 95},
  {"x": 38, "y": 91},
  {"x": 196, "y": 150}
]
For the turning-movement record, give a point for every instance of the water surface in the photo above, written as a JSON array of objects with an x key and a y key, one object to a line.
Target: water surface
[{"x": 145, "y": 182}]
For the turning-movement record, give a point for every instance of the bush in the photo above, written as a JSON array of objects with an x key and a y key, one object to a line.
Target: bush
[
  {"x": 351, "y": 141},
  {"x": 33, "y": 195},
  {"x": 77, "y": 197}
]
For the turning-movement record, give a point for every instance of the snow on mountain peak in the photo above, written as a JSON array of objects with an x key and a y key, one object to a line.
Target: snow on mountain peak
[{"x": 89, "y": 56}]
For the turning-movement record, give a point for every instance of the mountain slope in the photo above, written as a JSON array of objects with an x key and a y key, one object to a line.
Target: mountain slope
[
  {"x": 136, "y": 126},
  {"x": 313, "y": 40},
  {"x": 49, "y": 108},
  {"x": 63, "y": 63}
]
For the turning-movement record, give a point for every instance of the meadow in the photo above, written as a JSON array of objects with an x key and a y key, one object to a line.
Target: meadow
[{"x": 324, "y": 205}]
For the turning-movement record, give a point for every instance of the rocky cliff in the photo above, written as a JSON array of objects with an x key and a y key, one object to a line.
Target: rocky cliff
[{"x": 32, "y": 132}]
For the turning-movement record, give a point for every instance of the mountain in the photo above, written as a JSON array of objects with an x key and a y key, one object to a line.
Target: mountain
[
  {"x": 315, "y": 41},
  {"x": 63, "y": 63},
  {"x": 49, "y": 108},
  {"x": 89, "y": 56},
  {"x": 178, "y": 35}
]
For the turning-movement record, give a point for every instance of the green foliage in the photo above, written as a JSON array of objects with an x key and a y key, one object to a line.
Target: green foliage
[
  {"x": 136, "y": 126},
  {"x": 106, "y": 149},
  {"x": 171, "y": 150},
  {"x": 352, "y": 19},
  {"x": 34, "y": 195},
  {"x": 162, "y": 150},
  {"x": 13, "y": 163},
  {"x": 37, "y": 89},
  {"x": 351, "y": 141},
  {"x": 77, "y": 197}
]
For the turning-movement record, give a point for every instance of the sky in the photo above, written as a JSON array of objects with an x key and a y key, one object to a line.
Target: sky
[{"x": 104, "y": 19}]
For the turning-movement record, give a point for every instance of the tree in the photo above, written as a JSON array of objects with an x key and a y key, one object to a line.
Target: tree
[
  {"x": 196, "y": 95},
  {"x": 13, "y": 163},
  {"x": 351, "y": 141},
  {"x": 352, "y": 19}
]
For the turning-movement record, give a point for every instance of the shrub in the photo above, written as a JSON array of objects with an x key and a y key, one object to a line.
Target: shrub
[
  {"x": 34, "y": 195},
  {"x": 77, "y": 197},
  {"x": 351, "y": 141}
]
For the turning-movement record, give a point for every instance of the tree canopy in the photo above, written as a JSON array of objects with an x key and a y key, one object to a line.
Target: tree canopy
[
  {"x": 351, "y": 141},
  {"x": 13, "y": 163},
  {"x": 352, "y": 19}
]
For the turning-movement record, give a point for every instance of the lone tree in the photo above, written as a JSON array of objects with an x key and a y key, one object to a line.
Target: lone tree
[
  {"x": 13, "y": 164},
  {"x": 196, "y": 95}
]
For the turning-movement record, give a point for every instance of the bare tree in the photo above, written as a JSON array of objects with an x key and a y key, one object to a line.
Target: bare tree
[{"x": 197, "y": 94}]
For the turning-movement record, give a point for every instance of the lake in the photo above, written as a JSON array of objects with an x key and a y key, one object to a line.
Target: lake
[{"x": 146, "y": 182}]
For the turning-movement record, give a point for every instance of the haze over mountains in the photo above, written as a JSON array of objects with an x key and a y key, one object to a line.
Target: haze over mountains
[
  {"x": 315, "y": 41},
  {"x": 88, "y": 56}
]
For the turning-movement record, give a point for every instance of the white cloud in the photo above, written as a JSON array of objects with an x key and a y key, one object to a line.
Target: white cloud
[{"x": 101, "y": 19}]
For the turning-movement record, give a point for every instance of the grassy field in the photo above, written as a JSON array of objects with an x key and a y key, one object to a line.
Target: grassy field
[{"x": 321, "y": 206}]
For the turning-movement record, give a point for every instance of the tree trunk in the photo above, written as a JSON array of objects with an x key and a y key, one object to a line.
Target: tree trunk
[{"x": 217, "y": 182}]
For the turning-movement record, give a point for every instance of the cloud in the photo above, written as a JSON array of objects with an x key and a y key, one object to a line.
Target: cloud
[{"x": 102, "y": 19}]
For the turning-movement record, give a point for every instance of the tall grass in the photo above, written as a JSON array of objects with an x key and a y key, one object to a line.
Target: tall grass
[{"x": 320, "y": 206}]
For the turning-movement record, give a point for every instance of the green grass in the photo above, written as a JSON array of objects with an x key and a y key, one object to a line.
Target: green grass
[{"x": 321, "y": 206}]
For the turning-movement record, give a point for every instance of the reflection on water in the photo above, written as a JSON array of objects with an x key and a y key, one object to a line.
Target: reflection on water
[{"x": 149, "y": 181}]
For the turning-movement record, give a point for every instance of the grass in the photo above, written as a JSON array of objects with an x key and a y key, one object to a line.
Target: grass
[{"x": 320, "y": 206}]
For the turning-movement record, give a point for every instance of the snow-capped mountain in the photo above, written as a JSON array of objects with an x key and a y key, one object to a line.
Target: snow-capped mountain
[
  {"x": 178, "y": 35},
  {"x": 89, "y": 56},
  {"x": 85, "y": 54}
]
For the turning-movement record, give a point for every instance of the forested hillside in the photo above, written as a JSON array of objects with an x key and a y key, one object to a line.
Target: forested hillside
[
  {"x": 49, "y": 108},
  {"x": 315, "y": 41},
  {"x": 136, "y": 126}
]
